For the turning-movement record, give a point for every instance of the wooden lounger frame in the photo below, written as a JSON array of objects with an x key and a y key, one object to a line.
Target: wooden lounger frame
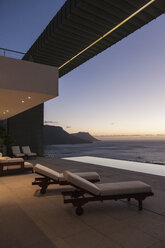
[
  {"x": 78, "y": 199},
  {"x": 11, "y": 171},
  {"x": 45, "y": 181}
]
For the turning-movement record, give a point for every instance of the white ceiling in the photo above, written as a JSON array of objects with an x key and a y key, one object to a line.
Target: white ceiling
[
  {"x": 13, "y": 102},
  {"x": 24, "y": 85}
]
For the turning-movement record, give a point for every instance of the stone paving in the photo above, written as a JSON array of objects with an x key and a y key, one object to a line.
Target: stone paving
[{"x": 28, "y": 219}]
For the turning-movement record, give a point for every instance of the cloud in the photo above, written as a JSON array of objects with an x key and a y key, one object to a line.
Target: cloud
[{"x": 51, "y": 122}]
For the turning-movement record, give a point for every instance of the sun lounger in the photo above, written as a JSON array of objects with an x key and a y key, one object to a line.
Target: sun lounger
[
  {"x": 16, "y": 152},
  {"x": 26, "y": 150},
  {"x": 86, "y": 191},
  {"x": 14, "y": 165},
  {"x": 53, "y": 177}
]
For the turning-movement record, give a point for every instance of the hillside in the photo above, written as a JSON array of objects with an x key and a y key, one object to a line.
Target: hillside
[
  {"x": 57, "y": 135},
  {"x": 85, "y": 136}
]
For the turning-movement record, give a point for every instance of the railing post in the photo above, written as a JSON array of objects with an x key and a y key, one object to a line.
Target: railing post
[{"x": 4, "y": 50}]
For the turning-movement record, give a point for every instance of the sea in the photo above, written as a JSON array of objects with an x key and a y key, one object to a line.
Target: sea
[{"x": 147, "y": 151}]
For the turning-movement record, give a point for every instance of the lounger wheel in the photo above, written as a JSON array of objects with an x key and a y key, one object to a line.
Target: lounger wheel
[
  {"x": 79, "y": 211},
  {"x": 42, "y": 191}
]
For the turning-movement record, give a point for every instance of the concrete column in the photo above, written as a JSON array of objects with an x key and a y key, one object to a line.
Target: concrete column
[{"x": 26, "y": 128}]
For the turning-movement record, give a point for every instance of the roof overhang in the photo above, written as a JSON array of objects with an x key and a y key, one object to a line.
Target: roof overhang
[
  {"x": 84, "y": 28},
  {"x": 24, "y": 85}
]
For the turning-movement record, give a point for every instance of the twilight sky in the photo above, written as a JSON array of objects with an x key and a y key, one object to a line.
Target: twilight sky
[{"x": 120, "y": 91}]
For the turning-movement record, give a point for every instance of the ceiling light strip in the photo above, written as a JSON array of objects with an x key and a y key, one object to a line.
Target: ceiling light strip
[{"x": 109, "y": 32}]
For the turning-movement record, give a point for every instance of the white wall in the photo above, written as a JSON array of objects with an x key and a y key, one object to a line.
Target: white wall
[{"x": 28, "y": 76}]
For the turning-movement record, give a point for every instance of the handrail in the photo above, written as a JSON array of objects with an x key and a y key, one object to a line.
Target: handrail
[{"x": 9, "y": 50}]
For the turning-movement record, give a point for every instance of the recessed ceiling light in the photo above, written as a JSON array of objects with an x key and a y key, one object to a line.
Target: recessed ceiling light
[
  {"x": 22, "y": 101},
  {"x": 7, "y": 111},
  {"x": 4, "y": 113},
  {"x": 29, "y": 97}
]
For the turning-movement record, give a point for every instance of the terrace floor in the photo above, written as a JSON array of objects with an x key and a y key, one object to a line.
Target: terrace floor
[{"x": 28, "y": 219}]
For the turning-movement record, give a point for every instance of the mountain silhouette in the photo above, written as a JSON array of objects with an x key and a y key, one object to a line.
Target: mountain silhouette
[
  {"x": 57, "y": 135},
  {"x": 84, "y": 136}
]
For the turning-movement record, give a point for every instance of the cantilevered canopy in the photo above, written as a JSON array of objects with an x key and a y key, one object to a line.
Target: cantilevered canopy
[
  {"x": 84, "y": 28},
  {"x": 22, "y": 85}
]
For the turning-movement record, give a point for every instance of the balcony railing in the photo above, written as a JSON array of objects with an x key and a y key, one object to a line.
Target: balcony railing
[{"x": 11, "y": 53}]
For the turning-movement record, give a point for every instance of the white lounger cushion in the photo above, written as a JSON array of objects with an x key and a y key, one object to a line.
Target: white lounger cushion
[
  {"x": 106, "y": 189},
  {"x": 38, "y": 168},
  {"x": 11, "y": 160},
  {"x": 10, "y": 166},
  {"x": 8, "y": 160},
  {"x": 28, "y": 165},
  {"x": 13, "y": 167},
  {"x": 86, "y": 175},
  {"x": 81, "y": 182},
  {"x": 120, "y": 188},
  {"x": 1, "y": 158}
]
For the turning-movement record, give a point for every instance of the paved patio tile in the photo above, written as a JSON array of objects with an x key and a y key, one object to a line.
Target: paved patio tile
[
  {"x": 18, "y": 230},
  {"x": 129, "y": 237},
  {"x": 34, "y": 220},
  {"x": 90, "y": 238},
  {"x": 150, "y": 223},
  {"x": 158, "y": 245}
]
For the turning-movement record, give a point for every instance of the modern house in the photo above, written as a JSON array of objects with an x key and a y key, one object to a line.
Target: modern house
[
  {"x": 25, "y": 85},
  {"x": 79, "y": 31}
]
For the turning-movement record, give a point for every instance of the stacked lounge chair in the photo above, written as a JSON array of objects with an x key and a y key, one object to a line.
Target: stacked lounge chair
[
  {"x": 27, "y": 152},
  {"x": 16, "y": 152},
  {"x": 50, "y": 176},
  {"x": 85, "y": 191}
]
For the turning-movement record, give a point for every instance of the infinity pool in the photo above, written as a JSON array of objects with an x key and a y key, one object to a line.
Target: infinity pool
[{"x": 153, "y": 169}]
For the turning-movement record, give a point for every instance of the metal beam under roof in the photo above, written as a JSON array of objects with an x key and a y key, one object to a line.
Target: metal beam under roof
[{"x": 79, "y": 23}]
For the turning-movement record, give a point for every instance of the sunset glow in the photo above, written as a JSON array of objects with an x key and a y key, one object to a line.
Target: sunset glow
[{"x": 120, "y": 91}]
